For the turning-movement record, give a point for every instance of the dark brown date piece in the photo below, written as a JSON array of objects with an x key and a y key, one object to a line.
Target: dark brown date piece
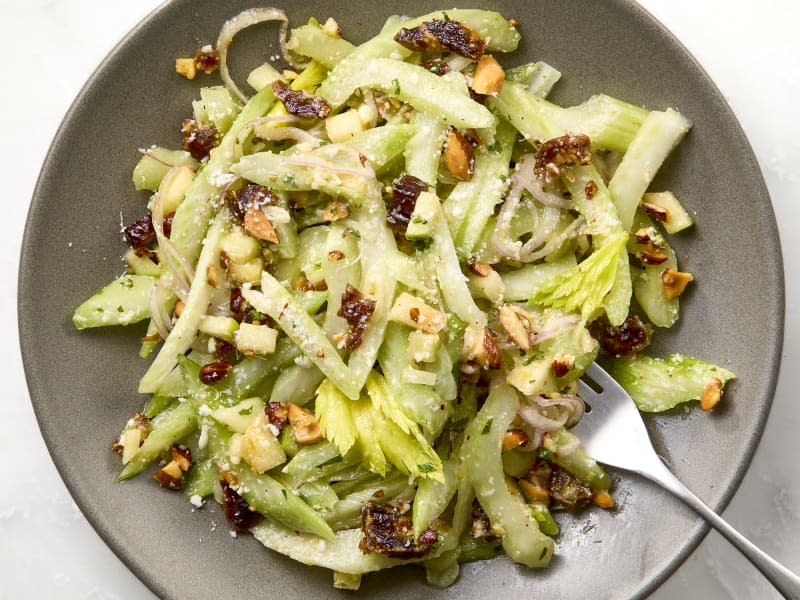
[
  {"x": 622, "y": 340},
  {"x": 300, "y": 103},
  {"x": 278, "y": 414},
  {"x": 198, "y": 141},
  {"x": 140, "y": 233},
  {"x": 388, "y": 532},
  {"x": 434, "y": 37},
  {"x": 356, "y": 310},
  {"x": 236, "y": 509},
  {"x": 214, "y": 372},
  {"x": 405, "y": 192},
  {"x": 250, "y": 196}
]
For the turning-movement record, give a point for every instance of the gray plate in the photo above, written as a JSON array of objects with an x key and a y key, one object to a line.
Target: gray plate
[{"x": 83, "y": 385}]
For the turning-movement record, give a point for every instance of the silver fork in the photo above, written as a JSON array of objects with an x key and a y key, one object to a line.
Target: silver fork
[{"x": 614, "y": 434}]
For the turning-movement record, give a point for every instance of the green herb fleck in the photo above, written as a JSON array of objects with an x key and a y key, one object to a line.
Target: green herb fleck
[
  {"x": 426, "y": 468},
  {"x": 544, "y": 453},
  {"x": 285, "y": 497},
  {"x": 459, "y": 424},
  {"x": 120, "y": 309},
  {"x": 396, "y": 86},
  {"x": 543, "y": 554},
  {"x": 246, "y": 411},
  {"x": 533, "y": 357},
  {"x": 421, "y": 245},
  {"x": 488, "y": 427},
  {"x": 446, "y": 16},
  {"x": 127, "y": 283},
  {"x": 495, "y": 147}
]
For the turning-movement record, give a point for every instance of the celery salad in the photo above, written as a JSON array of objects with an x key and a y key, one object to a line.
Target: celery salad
[{"x": 372, "y": 282}]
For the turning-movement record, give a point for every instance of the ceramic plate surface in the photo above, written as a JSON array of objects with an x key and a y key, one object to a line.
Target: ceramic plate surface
[{"x": 83, "y": 384}]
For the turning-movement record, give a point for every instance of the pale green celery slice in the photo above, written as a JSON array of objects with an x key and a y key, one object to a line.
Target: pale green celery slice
[
  {"x": 342, "y": 554},
  {"x": 311, "y": 41},
  {"x": 610, "y": 123},
  {"x": 425, "y": 147},
  {"x": 122, "y": 302},
  {"x": 659, "y": 384},
  {"x": 444, "y": 261},
  {"x": 507, "y": 511},
  {"x": 340, "y": 267},
  {"x": 538, "y": 77},
  {"x": 383, "y": 144},
  {"x": 656, "y": 138},
  {"x": 648, "y": 289},
  {"x": 421, "y": 89},
  {"x": 604, "y": 224},
  {"x": 420, "y": 402},
  {"x": 376, "y": 243},
  {"x": 195, "y": 211},
  {"x": 185, "y": 329},
  {"x": 471, "y": 203},
  {"x": 276, "y": 301},
  {"x": 523, "y": 283}
]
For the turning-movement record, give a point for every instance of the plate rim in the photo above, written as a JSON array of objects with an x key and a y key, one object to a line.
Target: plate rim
[{"x": 25, "y": 279}]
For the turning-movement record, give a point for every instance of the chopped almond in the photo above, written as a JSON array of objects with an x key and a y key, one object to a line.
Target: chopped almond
[
  {"x": 459, "y": 157},
  {"x": 603, "y": 499},
  {"x": 304, "y": 425},
  {"x": 534, "y": 492},
  {"x": 711, "y": 394},
  {"x": 179, "y": 306},
  {"x": 480, "y": 269},
  {"x": 514, "y": 438},
  {"x": 335, "y": 210},
  {"x": 258, "y": 225},
  {"x": 212, "y": 276},
  {"x": 171, "y": 475},
  {"x": 675, "y": 282},
  {"x": 412, "y": 311},
  {"x": 562, "y": 365},
  {"x": 331, "y": 27},
  {"x": 488, "y": 77},
  {"x": 186, "y": 67},
  {"x": 478, "y": 344},
  {"x": 659, "y": 213},
  {"x": 518, "y": 329}
]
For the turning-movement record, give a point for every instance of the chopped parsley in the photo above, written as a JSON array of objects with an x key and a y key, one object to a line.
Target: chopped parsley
[{"x": 488, "y": 427}]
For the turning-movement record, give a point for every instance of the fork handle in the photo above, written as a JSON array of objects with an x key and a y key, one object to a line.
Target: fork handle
[{"x": 786, "y": 582}]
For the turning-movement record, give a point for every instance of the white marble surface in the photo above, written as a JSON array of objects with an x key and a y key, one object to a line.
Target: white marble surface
[{"x": 50, "y": 47}]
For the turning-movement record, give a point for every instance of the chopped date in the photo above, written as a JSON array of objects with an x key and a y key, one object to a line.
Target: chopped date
[
  {"x": 222, "y": 348},
  {"x": 236, "y": 509},
  {"x": 250, "y": 196},
  {"x": 434, "y": 37},
  {"x": 437, "y": 67},
  {"x": 300, "y": 103},
  {"x": 356, "y": 310},
  {"x": 278, "y": 414},
  {"x": 567, "y": 490},
  {"x": 167, "y": 225},
  {"x": 140, "y": 233},
  {"x": 405, "y": 192},
  {"x": 622, "y": 340},
  {"x": 238, "y": 304},
  {"x": 560, "y": 152},
  {"x": 206, "y": 59},
  {"x": 214, "y": 372},
  {"x": 388, "y": 532},
  {"x": 198, "y": 141}
]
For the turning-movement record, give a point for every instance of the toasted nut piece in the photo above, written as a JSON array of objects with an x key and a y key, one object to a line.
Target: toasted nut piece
[
  {"x": 514, "y": 438},
  {"x": 480, "y": 269},
  {"x": 212, "y": 276},
  {"x": 459, "y": 157},
  {"x": 412, "y": 311},
  {"x": 179, "y": 306},
  {"x": 335, "y": 255},
  {"x": 186, "y": 67},
  {"x": 603, "y": 499},
  {"x": 675, "y": 282},
  {"x": 659, "y": 213},
  {"x": 478, "y": 344},
  {"x": 711, "y": 394},
  {"x": 182, "y": 456},
  {"x": 562, "y": 365},
  {"x": 304, "y": 425},
  {"x": 535, "y": 493},
  {"x": 488, "y": 77},
  {"x": 171, "y": 474},
  {"x": 331, "y": 27},
  {"x": 518, "y": 329},
  {"x": 335, "y": 210},
  {"x": 258, "y": 225}
]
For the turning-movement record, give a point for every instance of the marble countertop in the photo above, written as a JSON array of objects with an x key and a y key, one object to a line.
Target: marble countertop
[{"x": 50, "y": 47}]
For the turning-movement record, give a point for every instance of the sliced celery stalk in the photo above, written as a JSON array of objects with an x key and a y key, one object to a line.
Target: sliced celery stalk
[
  {"x": 122, "y": 302},
  {"x": 659, "y": 384},
  {"x": 506, "y": 509},
  {"x": 311, "y": 41},
  {"x": 151, "y": 168},
  {"x": 659, "y": 134}
]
